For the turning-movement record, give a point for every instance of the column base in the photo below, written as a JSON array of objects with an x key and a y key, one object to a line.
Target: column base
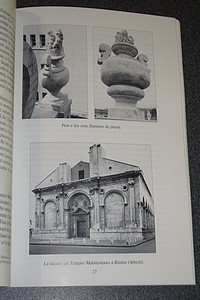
[
  {"x": 53, "y": 107},
  {"x": 125, "y": 113}
]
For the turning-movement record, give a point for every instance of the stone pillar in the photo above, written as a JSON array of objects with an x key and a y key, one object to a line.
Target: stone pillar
[
  {"x": 140, "y": 215},
  {"x": 42, "y": 214},
  {"x": 147, "y": 218},
  {"x": 58, "y": 212},
  {"x": 96, "y": 206},
  {"x": 37, "y": 211},
  {"x": 66, "y": 214},
  {"x": 37, "y": 199},
  {"x": 132, "y": 200},
  {"x": 61, "y": 209},
  {"x": 42, "y": 220},
  {"x": 92, "y": 211}
]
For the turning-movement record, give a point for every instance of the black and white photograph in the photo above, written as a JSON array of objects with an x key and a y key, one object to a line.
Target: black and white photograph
[
  {"x": 91, "y": 198},
  {"x": 124, "y": 74},
  {"x": 54, "y": 72},
  {"x": 95, "y": 194}
]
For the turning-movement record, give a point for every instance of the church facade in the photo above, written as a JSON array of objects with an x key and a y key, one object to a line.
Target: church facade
[{"x": 100, "y": 200}]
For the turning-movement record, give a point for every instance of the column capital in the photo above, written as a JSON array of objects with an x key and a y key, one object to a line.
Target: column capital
[{"x": 131, "y": 181}]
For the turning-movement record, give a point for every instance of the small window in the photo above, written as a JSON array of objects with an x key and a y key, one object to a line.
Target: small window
[
  {"x": 81, "y": 174},
  {"x": 33, "y": 40},
  {"x": 110, "y": 168},
  {"x": 42, "y": 40},
  {"x": 43, "y": 95},
  {"x": 24, "y": 38},
  {"x": 125, "y": 188},
  {"x": 42, "y": 66}
]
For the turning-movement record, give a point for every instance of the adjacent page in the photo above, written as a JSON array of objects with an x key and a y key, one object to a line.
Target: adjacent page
[
  {"x": 100, "y": 171},
  {"x": 7, "y": 54}
]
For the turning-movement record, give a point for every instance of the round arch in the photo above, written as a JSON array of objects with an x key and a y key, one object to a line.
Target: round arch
[
  {"x": 73, "y": 194},
  {"x": 115, "y": 191},
  {"x": 47, "y": 201}
]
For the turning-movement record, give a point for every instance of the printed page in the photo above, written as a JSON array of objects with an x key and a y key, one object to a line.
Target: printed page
[
  {"x": 7, "y": 50},
  {"x": 101, "y": 183}
]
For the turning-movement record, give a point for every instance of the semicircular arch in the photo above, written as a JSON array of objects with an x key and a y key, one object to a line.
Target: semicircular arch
[
  {"x": 47, "y": 201},
  {"x": 76, "y": 193},
  {"x": 117, "y": 191}
]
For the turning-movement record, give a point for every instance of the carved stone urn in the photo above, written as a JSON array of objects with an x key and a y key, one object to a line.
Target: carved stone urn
[
  {"x": 54, "y": 76},
  {"x": 126, "y": 75}
]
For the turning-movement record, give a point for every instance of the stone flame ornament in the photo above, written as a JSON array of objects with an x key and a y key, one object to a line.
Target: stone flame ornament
[
  {"x": 126, "y": 75},
  {"x": 54, "y": 76}
]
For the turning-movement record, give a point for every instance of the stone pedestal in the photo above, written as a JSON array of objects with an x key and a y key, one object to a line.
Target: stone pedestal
[
  {"x": 125, "y": 113},
  {"x": 59, "y": 108}
]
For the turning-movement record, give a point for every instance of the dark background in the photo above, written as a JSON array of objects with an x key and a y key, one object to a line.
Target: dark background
[{"x": 188, "y": 13}]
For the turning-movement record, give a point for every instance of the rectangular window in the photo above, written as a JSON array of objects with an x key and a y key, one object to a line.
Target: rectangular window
[
  {"x": 24, "y": 37},
  {"x": 42, "y": 40},
  {"x": 43, "y": 95},
  {"x": 81, "y": 174},
  {"x": 33, "y": 40}
]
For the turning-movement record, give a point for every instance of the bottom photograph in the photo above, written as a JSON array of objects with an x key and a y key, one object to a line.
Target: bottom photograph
[{"x": 91, "y": 198}]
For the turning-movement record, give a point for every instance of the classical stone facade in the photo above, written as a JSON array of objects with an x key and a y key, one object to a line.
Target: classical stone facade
[{"x": 103, "y": 200}]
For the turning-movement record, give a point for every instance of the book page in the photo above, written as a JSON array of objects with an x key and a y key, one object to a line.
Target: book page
[
  {"x": 7, "y": 49},
  {"x": 100, "y": 181}
]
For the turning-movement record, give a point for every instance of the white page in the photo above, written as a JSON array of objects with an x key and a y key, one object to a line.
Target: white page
[
  {"x": 7, "y": 37},
  {"x": 158, "y": 147}
]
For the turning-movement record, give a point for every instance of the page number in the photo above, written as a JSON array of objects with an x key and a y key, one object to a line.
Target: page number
[{"x": 94, "y": 271}]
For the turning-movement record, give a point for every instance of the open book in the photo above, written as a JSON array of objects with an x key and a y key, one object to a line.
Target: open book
[{"x": 97, "y": 187}]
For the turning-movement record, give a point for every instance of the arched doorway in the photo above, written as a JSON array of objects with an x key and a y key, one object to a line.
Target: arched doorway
[{"x": 79, "y": 216}]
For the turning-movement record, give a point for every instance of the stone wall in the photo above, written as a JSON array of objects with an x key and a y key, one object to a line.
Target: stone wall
[
  {"x": 111, "y": 206},
  {"x": 81, "y": 166},
  {"x": 121, "y": 234}
]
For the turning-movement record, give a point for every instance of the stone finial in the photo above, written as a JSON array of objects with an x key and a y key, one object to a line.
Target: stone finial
[
  {"x": 54, "y": 45},
  {"x": 131, "y": 181},
  {"x": 123, "y": 37}
]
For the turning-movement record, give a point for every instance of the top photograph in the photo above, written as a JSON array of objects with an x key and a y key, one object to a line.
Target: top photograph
[{"x": 55, "y": 73}]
